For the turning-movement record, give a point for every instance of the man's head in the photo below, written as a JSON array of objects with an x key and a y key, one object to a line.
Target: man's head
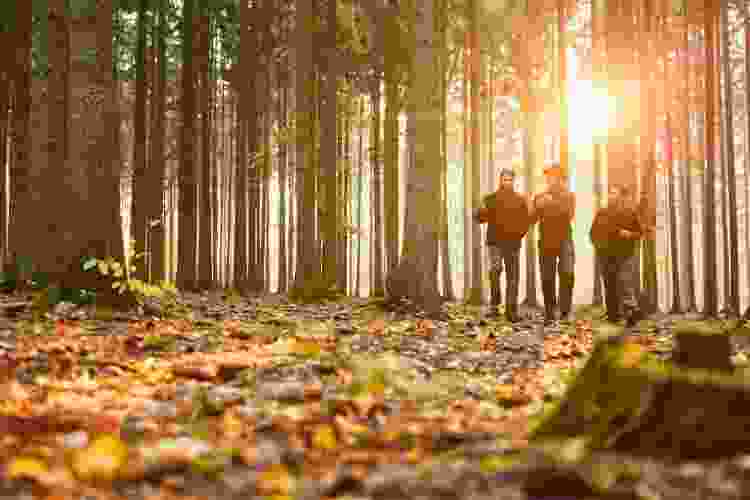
[
  {"x": 555, "y": 176},
  {"x": 507, "y": 176}
]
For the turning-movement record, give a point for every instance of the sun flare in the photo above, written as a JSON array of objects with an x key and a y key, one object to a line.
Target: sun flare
[{"x": 589, "y": 108}]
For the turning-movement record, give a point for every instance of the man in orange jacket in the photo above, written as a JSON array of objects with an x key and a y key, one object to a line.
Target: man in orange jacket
[
  {"x": 507, "y": 215},
  {"x": 554, "y": 209}
]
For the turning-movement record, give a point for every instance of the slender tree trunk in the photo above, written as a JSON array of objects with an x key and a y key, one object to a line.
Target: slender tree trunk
[
  {"x": 673, "y": 228},
  {"x": 710, "y": 302},
  {"x": 140, "y": 212},
  {"x": 59, "y": 168},
  {"x": 687, "y": 181},
  {"x": 448, "y": 292},
  {"x": 733, "y": 248},
  {"x": 360, "y": 186},
  {"x": 158, "y": 163},
  {"x": 377, "y": 219},
  {"x": 108, "y": 164},
  {"x": 307, "y": 277},
  {"x": 186, "y": 272},
  {"x": 391, "y": 144},
  {"x": 467, "y": 200},
  {"x": 596, "y": 47},
  {"x": 19, "y": 237},
  {"x": 207, "y": 244},
  {"x": 283, "y": 146},
  {"x": 245, "y": 100},
  {"x": 328, "y": 151},
  {"x": 475, "y": 60}
]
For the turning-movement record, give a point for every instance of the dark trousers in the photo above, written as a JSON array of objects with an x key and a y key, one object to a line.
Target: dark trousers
[
  {"x": 505, "y": 256},
  {"x": 552, "y": 266},
  {"x": 618, "y": 274}
]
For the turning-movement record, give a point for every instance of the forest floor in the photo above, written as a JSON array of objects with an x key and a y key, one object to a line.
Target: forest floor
[{"x": 260, "y": 398}]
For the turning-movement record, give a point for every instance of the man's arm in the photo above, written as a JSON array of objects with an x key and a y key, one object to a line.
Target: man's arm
[
  {"x": 481, "y": 215},
  {"x": 535, "y": 204}
]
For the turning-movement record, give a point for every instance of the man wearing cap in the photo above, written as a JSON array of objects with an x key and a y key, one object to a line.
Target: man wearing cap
[
  {"x": 615, "y": 232},
  {"x": 554, "y": 210},
  {"x": 508, "y": 216}
]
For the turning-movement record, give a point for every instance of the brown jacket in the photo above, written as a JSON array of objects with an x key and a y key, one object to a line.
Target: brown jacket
[
  {"x": 555, "y": 218},
  {"x": 507, "y": 215},
  {"x": 606, "y": 227}
]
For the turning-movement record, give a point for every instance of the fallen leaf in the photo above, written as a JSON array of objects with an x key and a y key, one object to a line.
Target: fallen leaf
[
  {"x": 276, "y": 479},
  {"x": 101, "y": 460},
  {"x": 27, "y": 467},
  {"x": 324, "y": 437}
]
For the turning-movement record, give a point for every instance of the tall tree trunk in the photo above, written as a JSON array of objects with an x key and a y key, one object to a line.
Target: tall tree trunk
[
  {"x": 710, "y": 302},
  {"x": 377, "y": 219},
  {"x": 391, "y": 178},
  {"x": 467, "y": 198},
  {"x": 415, "y": 277},
  {"x": 687, "y": 181},
  {"x": 475, "y": 60},
  {"x": 206, "y": 242},
  {"x": 596, "y": 47},
  {"x": 307, "y": 277},
  {"x": 328, "y": 151},
  {"x": 283, "y": 147},
  {"x": 448, "y": 292},
  {"x": 106, "y": 169},
  {"x": 528, "y": 136},
  {"x": 157, "y": 163},
  {"x": 673, "y": 228},
  {"x": 140, "y": 212},
  {"x": 360, "y": 188},
  {"x": 19, "y": 237},
  {"x": 649, "y": 296},
  {"x": 733, "y": 300},
  {"x": 245, "y": 100},
  {"x": 59, "y": 167},
  {"x": 186, "y": 270}
]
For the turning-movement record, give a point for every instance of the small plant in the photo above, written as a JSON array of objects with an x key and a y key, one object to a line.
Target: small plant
[{"x": 123, "y": 282}]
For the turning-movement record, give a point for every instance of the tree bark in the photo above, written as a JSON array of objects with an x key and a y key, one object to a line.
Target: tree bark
[
  {"x": 415, "y": 277},
  {"x": 710, "y": 302},
  {"x": 186, "y": 267},
  {"x": 733, "y": 300},
  {"x": 140, "y": 212}
]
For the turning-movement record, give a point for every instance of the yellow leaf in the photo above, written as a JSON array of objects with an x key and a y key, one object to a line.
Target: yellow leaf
[
  {"x": 276, "y": 479},
  {"x": 102, "y": 460},
  {"x": 26, "y": 467},
  {"x": 631, "y": 354},
  {"x": 305, "y": 347},
  {"x": 504, "y": 391},
  {"x": 324, "y": 437}
]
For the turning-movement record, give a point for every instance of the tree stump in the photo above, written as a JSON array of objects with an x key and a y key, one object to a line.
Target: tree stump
[{"x": 644, "y": 407}]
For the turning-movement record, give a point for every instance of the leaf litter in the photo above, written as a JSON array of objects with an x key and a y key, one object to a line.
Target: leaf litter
[{"x": 265, "y": 397}]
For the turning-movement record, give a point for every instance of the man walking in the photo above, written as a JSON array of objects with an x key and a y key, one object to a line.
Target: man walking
[
  {"x": 554, "y": 210},
  {"x": 615, "y": 232},
  {"x": 507, "y": 215}
]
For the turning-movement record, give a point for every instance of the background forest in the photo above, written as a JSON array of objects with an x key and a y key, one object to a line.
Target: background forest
[{"x": 271, "y": 147}]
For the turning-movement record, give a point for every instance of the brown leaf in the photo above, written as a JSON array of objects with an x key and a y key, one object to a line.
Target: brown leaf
[{"x": 202, "y": 372}]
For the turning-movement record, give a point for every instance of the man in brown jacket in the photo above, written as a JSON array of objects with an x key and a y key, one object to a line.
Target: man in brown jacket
[
  {"x": 507, "y": 214},
  {"x": 615, "y": 232},
  {"x": 554, "y": 209}
]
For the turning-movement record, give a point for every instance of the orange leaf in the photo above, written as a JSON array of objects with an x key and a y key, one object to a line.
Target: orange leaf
[{"x": 377, "y": 327}]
